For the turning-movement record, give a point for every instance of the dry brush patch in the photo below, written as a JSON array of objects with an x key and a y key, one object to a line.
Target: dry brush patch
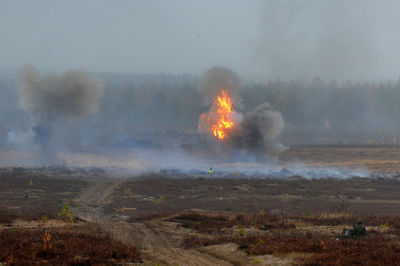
[
  {"x": 342, "y": 219},
  {"x": 181, "y": 192},
  {"x": 380, "y": 247},
  {"x": 7, "y": 217},
  {"x": 375, "y": 250},
  {"x": 369, "y": 251},
  {"x": 32, "y": 193},
  {"x": 209, "y": 223},
  {"x": 22, "y": 246}
]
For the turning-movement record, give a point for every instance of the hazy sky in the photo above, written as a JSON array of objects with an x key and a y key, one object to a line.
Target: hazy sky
[{"x": 356, "y": 39}]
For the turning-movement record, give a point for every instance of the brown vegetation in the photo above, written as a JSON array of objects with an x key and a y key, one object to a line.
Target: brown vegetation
[
  {"x": 34, "y": 192},
  {"x": 237, "y": 219},
  {"x": 378, "y": 248},
  {"x": 209, "y": 223},
  {"x": 6, "y": 217},
  {"x": 346, "y": 219},
  {"x": 22, "y": 246},
  {"x": 358, "y": 196}
]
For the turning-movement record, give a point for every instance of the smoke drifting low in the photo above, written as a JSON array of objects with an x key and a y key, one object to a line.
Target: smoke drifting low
[
  {"x": 259, "y": 129},
  {"x": 54, "y": 98},
  {"x": 254, "y": 133}
]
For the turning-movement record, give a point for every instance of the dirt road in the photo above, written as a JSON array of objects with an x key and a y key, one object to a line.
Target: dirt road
[{"x": 160, "y": 241}]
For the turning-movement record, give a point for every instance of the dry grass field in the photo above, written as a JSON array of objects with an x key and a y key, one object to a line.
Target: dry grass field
[
  {"x": 81, "y": 216},
  {"x": 372, "y": 158}
]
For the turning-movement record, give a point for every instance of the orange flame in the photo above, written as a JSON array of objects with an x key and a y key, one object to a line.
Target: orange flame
[{"x": 218, "y": 120}]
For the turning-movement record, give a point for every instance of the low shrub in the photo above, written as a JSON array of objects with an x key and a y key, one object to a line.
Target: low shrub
[
  {"x": 371, "y": 250},
  {"x": 208, "y": 223},
  {"x": 27, "y": 246},
  {"x": 7, "y": 217}
]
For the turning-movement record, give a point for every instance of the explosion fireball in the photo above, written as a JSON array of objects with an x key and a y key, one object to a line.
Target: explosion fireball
[
  {"x": 218, "y": 121},
  {"x": 252, "y": 133}
]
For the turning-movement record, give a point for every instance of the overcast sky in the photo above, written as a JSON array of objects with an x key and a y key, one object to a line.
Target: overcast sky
[{"x": 356, "y": 39}]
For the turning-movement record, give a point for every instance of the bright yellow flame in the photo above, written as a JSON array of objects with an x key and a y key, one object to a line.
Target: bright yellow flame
[{"x": 219, "y": 118}]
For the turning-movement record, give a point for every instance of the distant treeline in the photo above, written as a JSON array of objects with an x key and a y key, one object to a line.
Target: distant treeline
[
  {"x": 132, "y": 100},
  {"x": 301, "y": 103}
]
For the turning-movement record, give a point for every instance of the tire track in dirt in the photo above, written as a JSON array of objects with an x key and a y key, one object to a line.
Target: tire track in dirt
[
  {"x": 178, "y": 256},
  {"x": 158, "y": 241},
  {"x": 93, "y": 199}
]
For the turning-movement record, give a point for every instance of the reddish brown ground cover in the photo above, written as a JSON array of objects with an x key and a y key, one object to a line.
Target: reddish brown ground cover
[
  {"x": 379, "y": 247},
  {"x": 34, "y": 192},
  {"x": 22, "y": 246},
  {"x": 277, "y": 216},
  {"x": 375, "y": 250},
  {"x": 359, "y": 196},
  {"x": 341, "y": 219},
  {"x": 209, "y": 223}
]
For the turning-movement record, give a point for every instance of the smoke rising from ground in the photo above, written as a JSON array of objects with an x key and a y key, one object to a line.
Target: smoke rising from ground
[
  {"x": 56, "y": 98},
  {"x": 120, "y": 135},
  {"x": 259, "y": 129},
  {"x": 256, "y": 131},
  {"x": 216, "y": 79},
  {"x": 73, "y": 94}
]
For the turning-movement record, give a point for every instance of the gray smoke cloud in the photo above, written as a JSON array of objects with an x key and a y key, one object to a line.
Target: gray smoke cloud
[
  {"x": 256, "y": 131},
  {"x": 57, "y": 97},
  {"x": 215, "y": 79},
  {"x": 259, "y": 129},
  {"x": 73, "y": 94}
]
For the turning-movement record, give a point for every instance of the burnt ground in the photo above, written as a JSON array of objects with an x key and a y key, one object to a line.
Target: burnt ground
[{"x": 231, "y": 222}]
